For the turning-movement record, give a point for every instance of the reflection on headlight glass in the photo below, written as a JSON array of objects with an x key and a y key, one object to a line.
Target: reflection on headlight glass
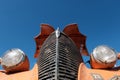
[
  {"x": 12, "y": 57},
  {"x": 104, "y": 54}
]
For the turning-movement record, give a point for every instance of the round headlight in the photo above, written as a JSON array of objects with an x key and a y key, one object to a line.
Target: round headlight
[
  {"x": 13, "y": 57},
  {"x": 15, "y": 60},
  {"x": 104, "y": 54}
]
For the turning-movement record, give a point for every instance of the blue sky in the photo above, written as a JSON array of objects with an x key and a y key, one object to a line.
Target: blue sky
[{"x": 99, "y": 20}]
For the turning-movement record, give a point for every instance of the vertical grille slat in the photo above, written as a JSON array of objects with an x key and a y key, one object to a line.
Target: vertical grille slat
[{"x": 60, "y": 64}]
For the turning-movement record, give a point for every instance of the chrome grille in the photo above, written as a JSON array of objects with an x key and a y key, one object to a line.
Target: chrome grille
[
  {"x": 60, "y": 64},
  {"x": 47, "y": 63}
]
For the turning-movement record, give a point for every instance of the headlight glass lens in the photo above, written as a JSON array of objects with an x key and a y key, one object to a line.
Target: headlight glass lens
[{"x": 104, "y": 54}]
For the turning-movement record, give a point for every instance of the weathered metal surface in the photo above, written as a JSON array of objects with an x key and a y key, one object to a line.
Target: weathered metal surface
[
  {"x": 103, "y": 57},
  {"x": 15, "y": 60},
  {"x": 59, "y": 58},
  {"x": 70, "y": 30},
  {"x": 85, "y": 73},
  {"x": 102, "y": 61},
  {"x": 79, "y": 39},
  {"x": 46, "y": 30},
  {"x": 25, "y": 75}
]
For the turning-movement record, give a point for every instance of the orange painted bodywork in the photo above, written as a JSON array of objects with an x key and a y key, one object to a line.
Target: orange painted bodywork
[
  {"x": 96, "y": 65},
  {"x": 70, "y": 30},
  {"x": 85, "y": 73},
  {"x": 46, "y": 30},
  {"x": 26, "y": 75}
]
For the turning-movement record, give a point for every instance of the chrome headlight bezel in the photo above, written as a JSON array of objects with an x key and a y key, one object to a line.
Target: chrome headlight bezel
[
  {"x": 13, "y": 57},
  {"x": 104, "y": 54}
]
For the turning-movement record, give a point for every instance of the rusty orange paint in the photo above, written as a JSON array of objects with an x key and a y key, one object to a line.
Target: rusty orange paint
[
  {"x": 26, "y": 75},
  {"x": 80, "y": 40},
  {"x": 71, "y": 30},
  {"x": 96, "y": 65},
  {"x": 23, "y": 66},
  {"x": 46, "y": 30},
  {"x": 118, "y": 55},
  {"x": 85, "y": 73}
]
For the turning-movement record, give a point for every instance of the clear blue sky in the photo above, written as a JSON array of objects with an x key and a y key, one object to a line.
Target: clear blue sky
[{"x": 99, "y": 20}]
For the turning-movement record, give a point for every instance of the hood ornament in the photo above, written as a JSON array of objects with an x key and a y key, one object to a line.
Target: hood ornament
[{"x": 57, "y": 32}]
